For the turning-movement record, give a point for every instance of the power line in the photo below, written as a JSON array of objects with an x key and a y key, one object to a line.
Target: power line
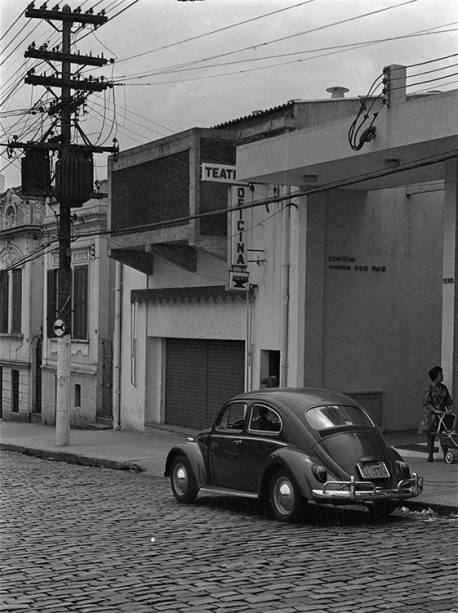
[
  {"x": 290, "y": 36},
  {"x": 12, "y": 25},
  {"x": 128, "y": 118},
  {"x": 110, "y": 19},
  {"x": 344, "y": 182},
  {"x": 351, "y": 180},
  {"x": 222, "y": 29},
  {"x": 343, "y": 46}
]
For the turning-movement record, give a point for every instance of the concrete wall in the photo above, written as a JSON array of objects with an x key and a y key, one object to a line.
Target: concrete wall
[
  {"x": 132, "y": 397},
  {"x": 373, "y": 322}
]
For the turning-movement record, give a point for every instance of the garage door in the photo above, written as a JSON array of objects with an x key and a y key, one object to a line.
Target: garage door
[{"x": 200, "y": 376}]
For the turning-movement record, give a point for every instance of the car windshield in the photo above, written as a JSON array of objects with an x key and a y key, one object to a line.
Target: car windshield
[{"x": 335, "y": 416}]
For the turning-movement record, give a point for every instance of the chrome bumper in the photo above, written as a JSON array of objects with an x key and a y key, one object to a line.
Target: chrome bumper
[{"x": 365, "y": 491}]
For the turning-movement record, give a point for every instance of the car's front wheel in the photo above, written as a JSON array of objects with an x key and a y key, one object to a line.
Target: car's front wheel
[
  {"x": 284, "y": 497},
  {"x": 182, "y": 480}
]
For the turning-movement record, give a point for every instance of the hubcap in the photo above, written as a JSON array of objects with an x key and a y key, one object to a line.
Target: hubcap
[
  {"x": 180, "y": 479},
  {"x": 284, "y": 496}
]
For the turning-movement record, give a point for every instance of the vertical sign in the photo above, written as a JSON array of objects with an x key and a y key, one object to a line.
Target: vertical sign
[{"x": 238, "y": 234}]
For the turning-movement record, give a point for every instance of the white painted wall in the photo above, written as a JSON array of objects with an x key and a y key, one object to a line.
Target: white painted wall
[
  {"x": 369, "y": 329},
  {"x": 449, "y": 273}
]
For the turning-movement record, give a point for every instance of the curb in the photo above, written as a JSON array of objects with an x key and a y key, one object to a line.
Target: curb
[
  {"x": 71, "y": 458},
  {"x": 440, "y": 509}
]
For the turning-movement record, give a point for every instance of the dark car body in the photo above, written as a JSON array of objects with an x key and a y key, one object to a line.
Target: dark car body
[{"x": 288, "y": 446}]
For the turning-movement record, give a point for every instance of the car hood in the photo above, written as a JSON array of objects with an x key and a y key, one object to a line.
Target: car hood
[{"x": 344, "y": 449}]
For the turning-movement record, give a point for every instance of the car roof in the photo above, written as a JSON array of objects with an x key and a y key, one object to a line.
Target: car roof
[{"x": 298, "y": 399}]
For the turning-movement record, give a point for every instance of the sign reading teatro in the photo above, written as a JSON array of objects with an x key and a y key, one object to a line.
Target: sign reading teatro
[{"x": 219, "y": 173}]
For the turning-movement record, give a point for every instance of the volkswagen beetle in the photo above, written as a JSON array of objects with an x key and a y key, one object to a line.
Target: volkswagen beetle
[{"x": 290, "y": 447}]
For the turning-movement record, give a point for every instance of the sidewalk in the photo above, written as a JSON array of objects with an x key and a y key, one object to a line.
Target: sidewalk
[{"x": 146, "y": 451}]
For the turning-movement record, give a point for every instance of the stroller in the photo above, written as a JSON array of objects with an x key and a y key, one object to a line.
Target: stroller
[{"x": 448, "y": 437}]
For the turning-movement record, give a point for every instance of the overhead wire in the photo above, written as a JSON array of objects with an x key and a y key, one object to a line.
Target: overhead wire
[
  {"x": 353, "y": 45},
  {"x": 436, "y": 59},
  {"x": 136, "y": 123},
  {"x": 216, "y": 31},
  {"x": 109, "y": 19},
  {"x": 12, "y": 25},
  {"x": 342, "y": 182},
  {"x": 289, "y": 36},
  {"x": 350, "y": 180}
]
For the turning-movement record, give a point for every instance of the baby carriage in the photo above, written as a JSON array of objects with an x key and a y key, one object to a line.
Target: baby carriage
[{"x": 448, "y": 437}]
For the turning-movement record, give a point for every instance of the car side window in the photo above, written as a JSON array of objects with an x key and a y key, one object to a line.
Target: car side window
[
  {"x": 264, "y": 419},
  {"x": 232, "y": 417}
]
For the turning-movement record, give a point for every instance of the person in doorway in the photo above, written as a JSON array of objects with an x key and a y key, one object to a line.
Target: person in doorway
[
  {"x": 269, "y": 381},
  {"x": 436, "y": 401}
]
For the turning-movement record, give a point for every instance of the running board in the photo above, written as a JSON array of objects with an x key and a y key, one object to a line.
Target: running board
[{"x": 225, "y": 492}]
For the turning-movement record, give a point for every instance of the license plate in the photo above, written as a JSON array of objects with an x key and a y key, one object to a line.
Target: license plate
[{"x": 373, "y": 470}]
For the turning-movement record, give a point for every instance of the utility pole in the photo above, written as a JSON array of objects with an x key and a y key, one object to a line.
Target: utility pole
[
  {"x": 74, "y": 171},
  {"x": 65, "y": 270}
]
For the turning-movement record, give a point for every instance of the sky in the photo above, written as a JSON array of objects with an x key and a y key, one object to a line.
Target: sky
[{"x": 181, "y": 64}]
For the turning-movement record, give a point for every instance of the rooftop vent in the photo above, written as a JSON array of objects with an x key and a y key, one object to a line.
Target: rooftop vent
[{"x": 337, "y": 91}]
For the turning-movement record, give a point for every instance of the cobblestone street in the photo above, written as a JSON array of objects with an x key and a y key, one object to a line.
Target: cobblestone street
[{"x": 81, "y": 539}]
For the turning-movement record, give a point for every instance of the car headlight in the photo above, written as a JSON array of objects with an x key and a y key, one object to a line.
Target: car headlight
[
  {"x": 403, "y": 468},
  {"x": 320, "y": 473}
]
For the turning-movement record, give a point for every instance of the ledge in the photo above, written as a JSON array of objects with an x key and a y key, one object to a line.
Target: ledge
[{"x": 187, "y": 294}]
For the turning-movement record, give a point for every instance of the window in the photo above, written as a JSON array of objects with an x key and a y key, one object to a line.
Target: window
[
  {"x": 15, "y": 391},
  {"x": 1, "y": 391},
  {"x": 17, "y": 301},
  {"x": 270, "y": 368},
  {"x": 264, "y": 419},
  {"x": 11, "y": 301},
  {"x": 232, "y": 417},
  {"x": 80, "y": 302},
  {"x": 51, "y": 301},
  {"x": 77, "y": 395},
  {"x": 335, "y": 416},
  {"x": 4, "y": 299}
]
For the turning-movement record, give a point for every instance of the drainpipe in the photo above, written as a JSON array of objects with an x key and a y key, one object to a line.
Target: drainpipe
[
  {"x": 284, "y": 290},
  {"x": 117, "y": 349},
  {"x": 248, "y": 342}
]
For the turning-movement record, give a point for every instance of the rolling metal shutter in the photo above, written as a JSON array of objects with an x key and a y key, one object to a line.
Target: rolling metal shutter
[{"x": 200, "y": 376}]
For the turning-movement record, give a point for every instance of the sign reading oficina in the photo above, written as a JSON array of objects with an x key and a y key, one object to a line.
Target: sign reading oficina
[
  {"x": 220, "y": 173},
  {"x": 238, "y": 273},
  {"x": 238, "y": 233}
]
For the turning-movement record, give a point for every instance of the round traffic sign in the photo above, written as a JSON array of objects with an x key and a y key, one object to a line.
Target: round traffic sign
[{"x": 59, "y": 327}]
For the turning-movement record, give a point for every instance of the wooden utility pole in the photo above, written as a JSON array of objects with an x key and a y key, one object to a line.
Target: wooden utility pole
[{"x": 74, "y": 172}]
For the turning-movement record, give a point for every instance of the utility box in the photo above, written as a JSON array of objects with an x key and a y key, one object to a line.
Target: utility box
[
  {"x": 74, "y": 176},
  {"x": 35, "y": 173}
]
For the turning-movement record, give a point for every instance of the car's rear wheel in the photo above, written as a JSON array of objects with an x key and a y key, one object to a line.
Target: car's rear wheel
[
  {"x": 182, "y": 480},
  {"x": 381, "y": 510},
  {"x": 450, "y": 457},
  {"x": 284, "y": 497}
]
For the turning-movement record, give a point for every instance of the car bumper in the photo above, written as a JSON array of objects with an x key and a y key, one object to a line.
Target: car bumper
[{"x": 348, "y": 492}]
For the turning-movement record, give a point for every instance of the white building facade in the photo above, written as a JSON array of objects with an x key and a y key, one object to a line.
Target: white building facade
[
  {"x": 92, "y": 318},
  {"x": 347, "y": 280},
  {"x": 21, "y": 305}
]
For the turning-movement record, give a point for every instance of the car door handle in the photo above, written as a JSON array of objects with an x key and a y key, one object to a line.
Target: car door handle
[{"x": 237, "y": 441}]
